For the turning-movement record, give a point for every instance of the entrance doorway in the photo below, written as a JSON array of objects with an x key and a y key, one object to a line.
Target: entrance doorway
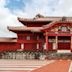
[{"x": 64, "y": 42}]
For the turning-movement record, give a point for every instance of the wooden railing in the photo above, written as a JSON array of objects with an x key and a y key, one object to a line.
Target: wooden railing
[{"x": 60, "y": 32}]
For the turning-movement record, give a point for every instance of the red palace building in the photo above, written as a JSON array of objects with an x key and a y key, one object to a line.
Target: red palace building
[{"x": 40, "y": 34}]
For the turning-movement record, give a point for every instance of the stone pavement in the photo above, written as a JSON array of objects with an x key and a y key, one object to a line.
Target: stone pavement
[
  {"x": 22, "y": 65},
  {"x": 35, "y": 65},
  {"x": 57, "y": 66}
]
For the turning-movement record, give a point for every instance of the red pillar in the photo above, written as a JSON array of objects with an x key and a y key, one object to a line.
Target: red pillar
[
  {"x": 56, "y": 42},
  {"x": 71, "y": 43},
  {"x": 46, "y": 37}
]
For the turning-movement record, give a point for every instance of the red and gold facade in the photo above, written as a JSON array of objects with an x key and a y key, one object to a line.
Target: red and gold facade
[
  {"x": 44, "y": 34},
  {"x": 59, "y": 35}
]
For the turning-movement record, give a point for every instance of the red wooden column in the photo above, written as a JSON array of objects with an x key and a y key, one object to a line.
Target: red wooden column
[
  {"x": 37, "y": 46},
  {"x": 46, "y": 39},
  {"x": 56, "y": 42},
  {"x": 22, "y": 46},
  {"x": 71, "y": 43}
]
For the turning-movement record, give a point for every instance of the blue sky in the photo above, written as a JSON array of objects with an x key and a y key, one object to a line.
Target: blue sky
[
  {"x": 11, "y": 9},
  {"x": 15, "y": 4},
  {"x": 20, "y": 5},
  {"x": 45, "y": 7}
]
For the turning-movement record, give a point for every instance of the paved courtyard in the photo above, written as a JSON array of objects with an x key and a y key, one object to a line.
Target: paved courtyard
[
  {"x": 22, "y": 65},
  {"x": 35, "y": 65},
  {"x": 57, "y": 66}
]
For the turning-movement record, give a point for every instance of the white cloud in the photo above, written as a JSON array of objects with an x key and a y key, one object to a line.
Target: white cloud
[
  {"x": 47, "y": 7},
  {"x": 7, "y": 19},
  {"x": 31, "y": 8},
  {"x": 64, "y": 8}
]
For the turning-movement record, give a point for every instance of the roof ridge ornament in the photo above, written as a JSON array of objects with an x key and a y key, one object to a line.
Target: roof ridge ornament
[
  {"x": 38, "y": 16},
  {"x": 63, "y": 18}
]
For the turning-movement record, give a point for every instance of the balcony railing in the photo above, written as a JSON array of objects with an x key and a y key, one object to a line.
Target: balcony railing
[
  {"x": 54, "y": 40},
  {"x": 64, "y": 32},
  {"x": 60, "y": 32}
]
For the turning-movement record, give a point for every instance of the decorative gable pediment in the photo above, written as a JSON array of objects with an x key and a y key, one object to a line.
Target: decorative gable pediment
[
  {"x": 61, "y": 28},
  {"x": 59, "y": 25},
  {"x": 64, "y": 28}
]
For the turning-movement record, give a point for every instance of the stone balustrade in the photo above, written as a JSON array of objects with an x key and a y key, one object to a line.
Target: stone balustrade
[{"x": 35, "y": 55}]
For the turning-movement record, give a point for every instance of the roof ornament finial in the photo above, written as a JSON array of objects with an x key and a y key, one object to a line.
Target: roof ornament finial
[
  {"x": 38, "y": 16},
  {"x": 63, "y": 18}
]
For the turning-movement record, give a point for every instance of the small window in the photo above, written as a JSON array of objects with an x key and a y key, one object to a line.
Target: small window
[
  {"x": 28, "y": 37},
  {"x": 41, "y": 37},
  {"x": 34, "y": 37}
]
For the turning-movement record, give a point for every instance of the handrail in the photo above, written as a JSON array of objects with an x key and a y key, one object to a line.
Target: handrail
[{"x": 60, "y": 32}]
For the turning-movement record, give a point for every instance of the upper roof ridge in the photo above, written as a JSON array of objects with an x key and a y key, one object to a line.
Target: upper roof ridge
[{"x": 38, "y": 16}]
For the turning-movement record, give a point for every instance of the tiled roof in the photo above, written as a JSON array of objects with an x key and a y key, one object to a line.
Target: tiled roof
[
  {"x": 42, "y": 19},
  {"x": 21, "y": 28},
  {"x": 39, "y": 17},
  {"x": 55, "y": 22},
  {"x": 8, "y": 40},
  {"x": 36, "y": 29}
]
